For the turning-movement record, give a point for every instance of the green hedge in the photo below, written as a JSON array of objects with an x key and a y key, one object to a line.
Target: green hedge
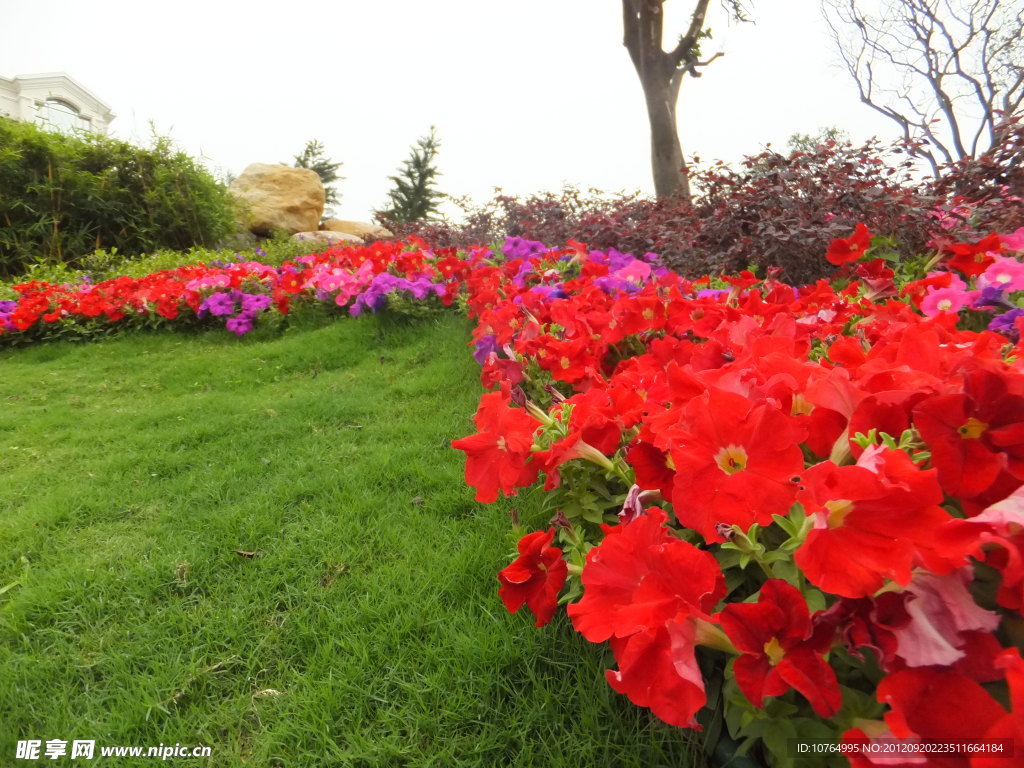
[{"x": 62, "y": 197}]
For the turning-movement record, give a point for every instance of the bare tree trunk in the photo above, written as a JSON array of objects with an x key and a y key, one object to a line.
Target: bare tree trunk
[
  {"x": 667, "y": 162},
  {"x": 661, "y": 74}
]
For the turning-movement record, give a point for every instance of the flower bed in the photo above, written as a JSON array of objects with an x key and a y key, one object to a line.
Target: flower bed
[
  {"x": 793, "y": 512},
  {"x": 238, "y": 294},
  {"x": 799, "y": 510}
]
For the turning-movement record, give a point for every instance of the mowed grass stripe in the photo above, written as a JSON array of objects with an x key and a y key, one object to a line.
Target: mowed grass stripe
[{"x": 364, "y": 630}]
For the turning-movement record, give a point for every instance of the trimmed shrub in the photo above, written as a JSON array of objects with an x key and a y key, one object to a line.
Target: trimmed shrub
[
  {"x": 775, "y": 210},
  {"x": 784, "y": 210},
  {"x": 62, "y": 197}
]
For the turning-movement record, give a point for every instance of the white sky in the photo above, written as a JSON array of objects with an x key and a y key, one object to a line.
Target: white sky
[{"x": 526, "y": 95}]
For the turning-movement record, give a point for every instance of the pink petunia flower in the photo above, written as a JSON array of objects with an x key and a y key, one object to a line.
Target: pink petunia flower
[
  {"x": 1013, "y": 241},
  {"x": 941, "y": 611},
  {"x": 1005, "y": 273},
  {"x": 944, "y": 300}
]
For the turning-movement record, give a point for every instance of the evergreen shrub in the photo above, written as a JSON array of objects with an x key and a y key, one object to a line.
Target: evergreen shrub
[{"x": 65, "y": 196}]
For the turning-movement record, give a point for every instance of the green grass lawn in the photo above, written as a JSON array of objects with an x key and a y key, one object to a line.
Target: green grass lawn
[{"x": 362, "y": 628}]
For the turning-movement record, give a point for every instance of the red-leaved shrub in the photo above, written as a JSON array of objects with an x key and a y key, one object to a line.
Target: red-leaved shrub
[{"x": 775, "y": 210}]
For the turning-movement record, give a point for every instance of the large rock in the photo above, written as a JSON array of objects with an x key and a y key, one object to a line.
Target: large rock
[
  {"x": 279, "y": 198},
  {"x": 357, "y": 228},
  {"x": 328, "y": 239}
]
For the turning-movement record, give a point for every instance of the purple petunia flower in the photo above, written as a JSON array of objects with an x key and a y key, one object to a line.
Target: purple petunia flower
[
  {"x": 6, "y": 310},
  {"x": 255, "y": 302},
  {"x": 518, "y": 248},
  {"x": 241, "y": 324},
  {"x": 485, "y": 347},
  {"x": 374, "y": 298},
  {"x": 219, "y": 304},
  {"x": 420, "y": 287},
  {"x": 618, "y": 260},
  {"x": 992, "y": 296},
  {"x": 712, "y": 293},
  {"x": 549, "y": 291},
  {"x": 614, "y": 286},
  {"x": 1006, "y": 324},
  {"x": 525, "y": 269}
]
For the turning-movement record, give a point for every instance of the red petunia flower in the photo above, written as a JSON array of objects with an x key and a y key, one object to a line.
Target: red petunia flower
[
  {"x": 974, "y": 258},
  {"x": 595, "y": 431},
  {"x": 651, "y": 468},
  {"x": 869, "y": 622},
  {"x": 844, "y": 251},
  {"x": 872, "y": 522},
  {"x": 498, "y": 457},
  {"x": 780, "y": 650},
  {"x": 878, "y": 279},
  {"x": 657, "y": 669},
  {"x": 735, "y": 463},
  {"x": 1011, "y": 725},
  {"x": 996, "y": 537},
  {"x": 645, "y": 590},
  {"x": 942, "y": 706},
  {"x": 292, "y": 282},
  {"x": 535, "y": 577},
  {"x": 974, "y": 436},
  {"x": 918, "y": 289}
]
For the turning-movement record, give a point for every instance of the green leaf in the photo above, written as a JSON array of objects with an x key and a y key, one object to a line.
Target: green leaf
[
  {"x": 786, "y": 569},
  {"x": 815, "y": 599},
  {"x": 592, "y": 514}
]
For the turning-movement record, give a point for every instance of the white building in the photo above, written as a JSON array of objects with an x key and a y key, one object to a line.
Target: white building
[{"x": 53, "y": 100}]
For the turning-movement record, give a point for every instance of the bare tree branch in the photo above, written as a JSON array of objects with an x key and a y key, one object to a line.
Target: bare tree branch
[{"x": 945, "y": 71}]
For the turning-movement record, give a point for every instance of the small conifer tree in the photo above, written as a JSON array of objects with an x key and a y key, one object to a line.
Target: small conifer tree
[
  {"x": 805, "y": 142},
  {"x": 414, "y": 196},
  {"x": 312, "y": 157}
]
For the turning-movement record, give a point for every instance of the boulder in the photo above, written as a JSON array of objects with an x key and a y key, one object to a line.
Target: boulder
[
  {"x": 357, "y": 228},
  {"x": 327, "y": 239},
  {"x": 279, "y": 198}
]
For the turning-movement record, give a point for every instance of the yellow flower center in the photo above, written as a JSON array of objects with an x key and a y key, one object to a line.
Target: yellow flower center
[
  {"x": 838, "y": 509},
  {"x": 944, "y": 305},
  {"x": 502, "y": 445},
  {"x": 773, "y": 650},
  {"x": 800, "y": 406},
  {"x": 972, "y": 429},
  {"x": 732, "y": 459}
]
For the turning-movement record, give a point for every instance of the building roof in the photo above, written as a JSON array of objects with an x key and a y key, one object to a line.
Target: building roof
[{"x": 59, "y": 84}]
